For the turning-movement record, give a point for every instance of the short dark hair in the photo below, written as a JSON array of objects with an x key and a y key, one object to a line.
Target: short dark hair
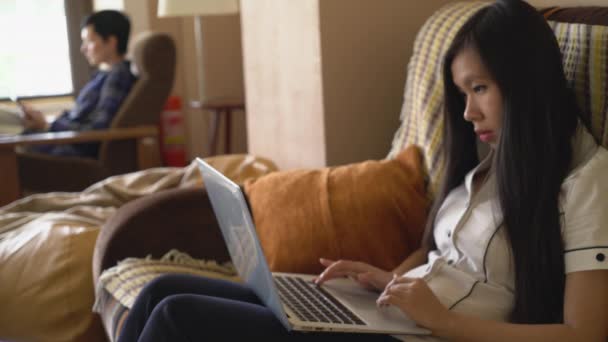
[
  {"x": 110, "y": 23},
  {"x": 533, "y": 156}
]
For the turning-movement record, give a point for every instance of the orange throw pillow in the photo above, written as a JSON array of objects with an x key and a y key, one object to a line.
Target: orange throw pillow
[{"x": 373, "y": 211}]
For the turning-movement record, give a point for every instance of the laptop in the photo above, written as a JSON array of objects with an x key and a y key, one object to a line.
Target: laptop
[
  {"x": 10, "y": 121},
  {"x": 339, "y": 305}
]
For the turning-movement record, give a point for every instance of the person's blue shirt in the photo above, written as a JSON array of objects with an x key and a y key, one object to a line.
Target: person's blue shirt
[{"x": 95, "y": 107}]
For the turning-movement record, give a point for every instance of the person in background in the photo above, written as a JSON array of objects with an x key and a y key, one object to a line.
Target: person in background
[{"x": 105, "y": 36}]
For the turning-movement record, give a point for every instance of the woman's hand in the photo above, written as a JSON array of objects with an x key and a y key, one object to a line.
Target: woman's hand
[
  {"x": 414, "y": 297},
  {"x": 368, "y": 276}
]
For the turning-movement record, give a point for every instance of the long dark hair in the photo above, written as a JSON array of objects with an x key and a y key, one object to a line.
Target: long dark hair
[{"x": 534, "y": 153}]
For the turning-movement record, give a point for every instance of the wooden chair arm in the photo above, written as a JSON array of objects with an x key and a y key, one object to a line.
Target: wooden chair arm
[
  {"x": 72, "y": 137},
  {"x": 146, "y": 143}
]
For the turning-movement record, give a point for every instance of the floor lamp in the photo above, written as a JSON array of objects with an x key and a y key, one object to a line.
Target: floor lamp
[{"x": 198, "y": 9}]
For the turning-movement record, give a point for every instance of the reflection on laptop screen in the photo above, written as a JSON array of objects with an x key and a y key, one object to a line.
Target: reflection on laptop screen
[{"x": 237, "y": 227}]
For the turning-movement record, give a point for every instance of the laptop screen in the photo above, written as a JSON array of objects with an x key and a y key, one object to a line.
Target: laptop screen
[{"x": 236, "y": 223}]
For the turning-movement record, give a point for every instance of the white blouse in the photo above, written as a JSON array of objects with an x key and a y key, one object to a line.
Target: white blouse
[{"x": 471, "y": 270}]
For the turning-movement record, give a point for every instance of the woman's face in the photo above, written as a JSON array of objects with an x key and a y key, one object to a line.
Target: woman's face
[{"x": 482, "y": 96}]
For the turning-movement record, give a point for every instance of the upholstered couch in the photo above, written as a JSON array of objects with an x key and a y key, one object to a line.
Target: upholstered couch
[{"x": 179, "y": 217}]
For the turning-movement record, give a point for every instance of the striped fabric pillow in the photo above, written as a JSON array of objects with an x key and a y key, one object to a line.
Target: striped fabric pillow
[
  {"x": 585, "y": 54},
  {"x": 119, "y": 286},
  {"x": 421, "y": 121}
]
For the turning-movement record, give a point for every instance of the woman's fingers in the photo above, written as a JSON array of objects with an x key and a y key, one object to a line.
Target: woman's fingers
[
  {"x": 400, "y": 280},
  {"x": 369, "y": 277},
  {"x": 334, "y": 269},
  {"x": 341, "y": 268},
  {"x": 376, "y": 280},
  {"x": 326, "y": 262},
  {"x": 401, "y": 289},
  {"x": 415, "y": 299},
  {"x": 394, "y": 294}
]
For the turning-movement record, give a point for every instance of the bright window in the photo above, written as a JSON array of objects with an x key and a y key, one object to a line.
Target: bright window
[{"x": 34, "y": 58}]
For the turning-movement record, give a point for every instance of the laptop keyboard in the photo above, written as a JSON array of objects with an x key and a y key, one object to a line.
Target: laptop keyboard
[{"x": 311, "y": 303}]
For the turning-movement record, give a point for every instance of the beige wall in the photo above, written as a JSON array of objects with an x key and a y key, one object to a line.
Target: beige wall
[
  {"x": 325, "y": 79},
  {"x": 282, "y": 62},
  {"x": 349, "y": 114},
  {"x": 108, "y": 4},
  {"x": 365, "y": 49}
]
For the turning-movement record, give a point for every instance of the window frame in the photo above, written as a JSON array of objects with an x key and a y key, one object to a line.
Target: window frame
[{"x": 75, "y": 12}]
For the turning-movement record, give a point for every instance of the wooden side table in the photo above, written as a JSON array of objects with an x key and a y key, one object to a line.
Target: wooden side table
[{"x": 218, "y": 107}]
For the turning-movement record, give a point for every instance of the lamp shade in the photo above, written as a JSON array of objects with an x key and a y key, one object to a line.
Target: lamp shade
[{"x": 174, "y": 8}]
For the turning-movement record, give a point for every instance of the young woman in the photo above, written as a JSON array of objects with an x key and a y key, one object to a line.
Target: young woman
[{"x": 516, "y": 244}]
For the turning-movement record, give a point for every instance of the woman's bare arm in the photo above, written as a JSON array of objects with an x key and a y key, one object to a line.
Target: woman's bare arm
[{"x": 414, "y": 260}]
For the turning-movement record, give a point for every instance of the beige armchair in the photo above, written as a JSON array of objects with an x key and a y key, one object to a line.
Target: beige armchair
[{"x": 128, "y": 145}]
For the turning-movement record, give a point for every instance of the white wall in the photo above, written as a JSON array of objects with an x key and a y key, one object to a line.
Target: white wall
[{"x": 99, "y": 5}]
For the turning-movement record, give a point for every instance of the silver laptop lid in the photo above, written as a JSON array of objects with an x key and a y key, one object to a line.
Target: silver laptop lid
[{"x": 236, "y": 223}]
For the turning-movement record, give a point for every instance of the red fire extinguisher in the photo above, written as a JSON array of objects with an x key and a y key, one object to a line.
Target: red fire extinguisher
[{"x": 173, "y": 133}]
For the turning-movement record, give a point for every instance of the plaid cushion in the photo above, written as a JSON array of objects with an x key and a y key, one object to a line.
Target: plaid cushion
[
  {"x": 585, "y": 55},
  {"x": 421, "y": 114},
  {"x": 119, "y": 286},
  {"x": 113, "y": 314}
]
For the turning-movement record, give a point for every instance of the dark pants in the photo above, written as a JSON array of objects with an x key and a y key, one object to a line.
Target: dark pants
[{"x": 187, "y": 308}]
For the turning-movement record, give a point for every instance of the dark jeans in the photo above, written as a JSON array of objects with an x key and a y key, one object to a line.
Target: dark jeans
[{"x": 188, "y": 308}]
